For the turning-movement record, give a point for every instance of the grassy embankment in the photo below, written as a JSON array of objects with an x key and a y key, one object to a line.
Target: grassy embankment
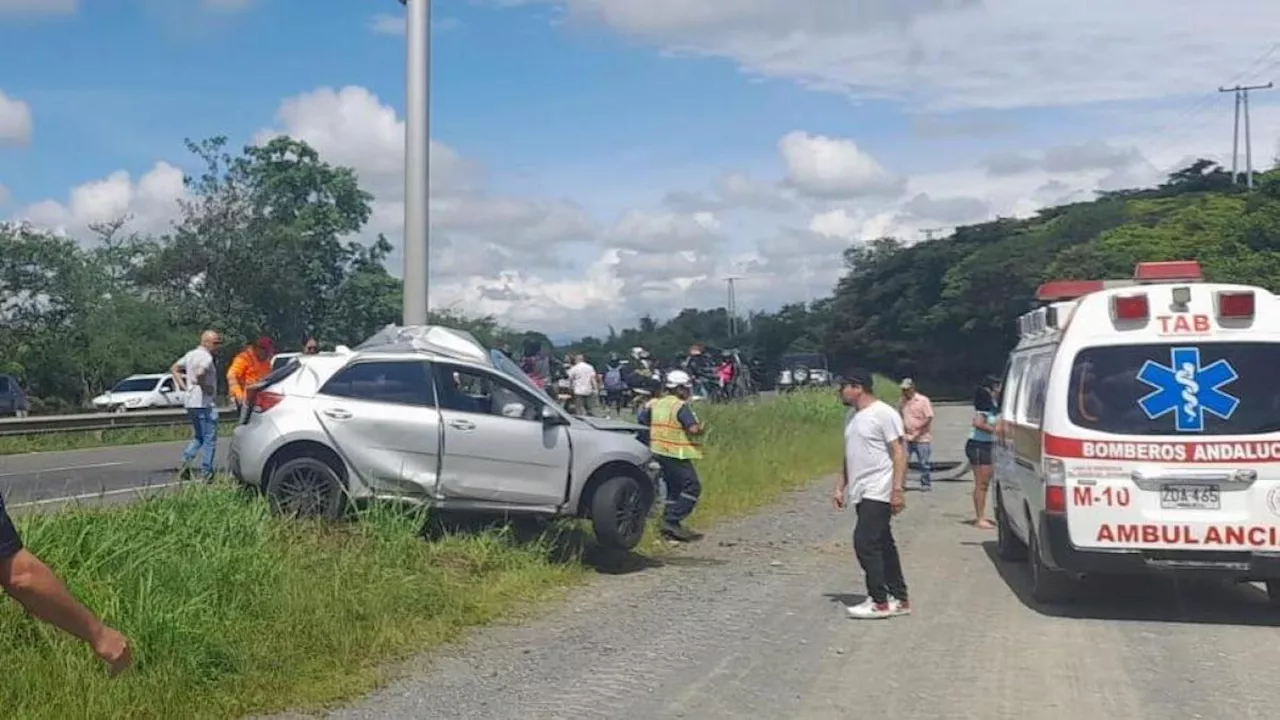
[{"x": 234, "y": 612}]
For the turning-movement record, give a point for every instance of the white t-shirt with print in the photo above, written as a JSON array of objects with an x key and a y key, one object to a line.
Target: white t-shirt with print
[
  {"x": 583, "y": 377},
  {"x": 867, "y": 435}
]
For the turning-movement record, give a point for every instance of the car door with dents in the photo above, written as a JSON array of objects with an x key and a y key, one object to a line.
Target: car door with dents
[
  {"x": 381, "y": 416},
  {"x": 496, "y": 446}
]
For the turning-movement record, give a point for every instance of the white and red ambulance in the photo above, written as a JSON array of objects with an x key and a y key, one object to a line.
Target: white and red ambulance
[{"x": 1140, "y": 431}]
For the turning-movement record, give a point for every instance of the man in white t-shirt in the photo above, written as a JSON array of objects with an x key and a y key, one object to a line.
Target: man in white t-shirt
[
  {"x": 585, "y": 382},
  {"x": 874, "y": 482},
  {"x": 196, "y": 375}
]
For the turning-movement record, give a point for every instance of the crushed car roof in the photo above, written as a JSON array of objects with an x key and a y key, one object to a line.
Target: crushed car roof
[{"x": 434, "y": 339}]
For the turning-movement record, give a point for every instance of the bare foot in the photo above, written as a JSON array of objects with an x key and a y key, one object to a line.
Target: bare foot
[{"x": 984, "y": 524}]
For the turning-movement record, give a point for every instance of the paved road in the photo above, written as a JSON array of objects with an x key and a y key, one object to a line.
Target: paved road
[
  {"x": 750, "y": 624},
  {"x": 117, "y": 472}
]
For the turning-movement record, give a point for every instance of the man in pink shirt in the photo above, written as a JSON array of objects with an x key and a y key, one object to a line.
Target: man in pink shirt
[{"x": 917, "y": 421}]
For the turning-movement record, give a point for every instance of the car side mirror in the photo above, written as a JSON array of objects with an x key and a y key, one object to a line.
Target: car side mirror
[{"x": 550, "y": 417}]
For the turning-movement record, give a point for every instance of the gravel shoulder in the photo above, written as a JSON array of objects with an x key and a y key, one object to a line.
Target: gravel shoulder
[{"x": 749, "y": 623}]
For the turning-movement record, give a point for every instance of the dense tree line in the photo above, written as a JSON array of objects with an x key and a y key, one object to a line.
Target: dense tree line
[
  {"x": 262, "y": 246},
  {"x": 943, "y": 311}
]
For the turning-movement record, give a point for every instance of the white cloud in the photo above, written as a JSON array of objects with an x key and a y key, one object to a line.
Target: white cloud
[
  {"x": 825, "y": 167},
  {"x": 663, "y": 233},
  {"x": 15, "y": 120},
  {"x": 150, "y": 202},
  {"x": 944, "y": 54},
  {"x": 38, "y": 7}
]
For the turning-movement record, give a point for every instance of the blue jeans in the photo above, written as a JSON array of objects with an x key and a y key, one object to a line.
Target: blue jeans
[
  {"x": 922, "y": 452},
  {"x": 204, "y": 438}
]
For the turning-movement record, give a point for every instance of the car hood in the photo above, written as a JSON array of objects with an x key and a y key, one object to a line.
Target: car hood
[{"x": 611, "y": 424}]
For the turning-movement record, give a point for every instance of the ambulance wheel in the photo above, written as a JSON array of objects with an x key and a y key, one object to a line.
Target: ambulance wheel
[
  {"x": 1273, "y": 591},
  {"x": 1048, "y": 586},
  {"x": 1008, "y": 546}
]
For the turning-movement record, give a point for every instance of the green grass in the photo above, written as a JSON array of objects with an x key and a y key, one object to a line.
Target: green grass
[
  {"x": 234, "y": 612},
  {"x": 85, "y": 439}
]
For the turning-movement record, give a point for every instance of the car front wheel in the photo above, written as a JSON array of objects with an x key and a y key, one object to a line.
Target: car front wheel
[
  {"x": 619, "y": 510},
  {"x": 306, "y": 487}
]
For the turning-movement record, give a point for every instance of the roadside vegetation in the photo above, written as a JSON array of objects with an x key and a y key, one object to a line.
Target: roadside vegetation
[{"x": 235, "y": 612}]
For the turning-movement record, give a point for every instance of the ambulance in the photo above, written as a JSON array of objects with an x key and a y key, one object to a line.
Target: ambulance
[{"x": 1139, "y": 432}]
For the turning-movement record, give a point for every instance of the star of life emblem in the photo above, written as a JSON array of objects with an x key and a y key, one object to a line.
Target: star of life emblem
[{"x": 1188, "y": 390}]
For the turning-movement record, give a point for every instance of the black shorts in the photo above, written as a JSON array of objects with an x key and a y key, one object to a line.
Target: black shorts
[
  {"x": 978, "y": 452},
  {"x": 10, "y": 540}
]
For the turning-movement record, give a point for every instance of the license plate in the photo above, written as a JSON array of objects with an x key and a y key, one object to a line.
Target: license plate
[{"x": 1190, "y": 497}]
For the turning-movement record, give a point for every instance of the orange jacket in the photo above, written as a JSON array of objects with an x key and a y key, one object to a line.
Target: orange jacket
[{"x": 246, "y": 369}]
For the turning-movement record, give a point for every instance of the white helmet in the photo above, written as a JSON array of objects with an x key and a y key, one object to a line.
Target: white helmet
[{"x": 678, "y": 378}]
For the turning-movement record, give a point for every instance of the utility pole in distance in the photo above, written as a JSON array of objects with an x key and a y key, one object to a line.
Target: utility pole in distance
[
  {"x": 1242, "y": 99},
  {"x": 417, "y": 159},
  {"x": 733, "y": 305}
]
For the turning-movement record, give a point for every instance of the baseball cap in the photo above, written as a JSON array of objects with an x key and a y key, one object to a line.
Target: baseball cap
[
  {"x": 858, "y": 376},
  {"x": 907, "y": 383},
  {"x": 265, "y": 343}
]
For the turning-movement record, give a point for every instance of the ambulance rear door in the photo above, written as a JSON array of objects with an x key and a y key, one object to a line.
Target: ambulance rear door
[{"x": 1173, "y": 443}]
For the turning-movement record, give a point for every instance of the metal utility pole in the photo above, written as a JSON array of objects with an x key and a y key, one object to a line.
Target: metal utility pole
[
  {"x": 417, "y": 159},
  {"x": 733, "y": 305},
  {"x": 1242, "y": 99}
]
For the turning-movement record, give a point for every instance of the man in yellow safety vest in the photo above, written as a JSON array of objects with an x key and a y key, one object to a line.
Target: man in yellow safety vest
[{"x": 672, "y": 429}]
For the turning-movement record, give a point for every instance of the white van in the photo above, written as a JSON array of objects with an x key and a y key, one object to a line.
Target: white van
[{"x": 1140, "y": 431}]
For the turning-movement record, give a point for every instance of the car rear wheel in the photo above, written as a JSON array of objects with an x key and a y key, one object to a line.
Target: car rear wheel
[
  {"x": 306, "y": 487},
  {"x": 1008, "y": 546},
  {"x": 1048, "y": 586},
  {"x": 619, "y": 511}
]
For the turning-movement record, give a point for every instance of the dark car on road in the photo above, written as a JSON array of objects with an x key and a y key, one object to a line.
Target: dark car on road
[
  {"x": 799, "y": 370},
  {"x": 13, "y": 402}
]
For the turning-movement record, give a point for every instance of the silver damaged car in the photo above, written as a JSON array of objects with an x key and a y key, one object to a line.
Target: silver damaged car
[{"x": 428, "y": 414}]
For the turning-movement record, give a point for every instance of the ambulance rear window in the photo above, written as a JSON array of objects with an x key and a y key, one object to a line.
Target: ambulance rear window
[{"x": 1188, "y": 389}]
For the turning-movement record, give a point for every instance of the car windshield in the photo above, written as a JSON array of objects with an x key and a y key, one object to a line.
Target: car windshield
[
  {"x": 512, "y": 370},
  {"x": 1185, "y": 389},
  {"x": 135, "y": 385},
  {"x": 809, "y": 360}
]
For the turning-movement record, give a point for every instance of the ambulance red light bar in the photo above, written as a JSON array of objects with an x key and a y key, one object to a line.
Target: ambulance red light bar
[
  {"x": 1058, "y": 290},
  {"x": 1170, "y": 271},
  {"x": 1235, "y": 304},
  {"x": 1130, "y": 307}
]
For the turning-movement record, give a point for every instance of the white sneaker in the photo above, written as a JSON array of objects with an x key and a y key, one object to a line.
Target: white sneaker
[{"x": 868, "y": 610}]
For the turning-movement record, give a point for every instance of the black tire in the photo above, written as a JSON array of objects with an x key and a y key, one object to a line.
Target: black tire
[
  {"x": 1008, "y": 546},
  {"x": 619, "y": 512},
  {"x": 1048, "y": 586},
  {"x": 307, "y": 487}
]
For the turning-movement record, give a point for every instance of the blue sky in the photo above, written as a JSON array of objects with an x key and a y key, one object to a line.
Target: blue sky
[{"x": 581, "y": 105}]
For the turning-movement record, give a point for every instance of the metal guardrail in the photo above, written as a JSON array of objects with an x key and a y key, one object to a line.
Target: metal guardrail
[{"x": 89, "y": 422}]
